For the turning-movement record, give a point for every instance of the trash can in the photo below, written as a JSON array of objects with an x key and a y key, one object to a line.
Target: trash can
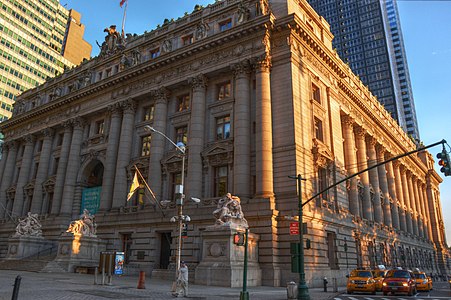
[{"x": 292, "y": 290}]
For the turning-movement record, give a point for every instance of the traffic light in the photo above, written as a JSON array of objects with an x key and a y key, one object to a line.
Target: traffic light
[
  {"x": 184, "y": 230},
  {"x": 238, "y": 239},
  {"x": 444, "y": 162}
]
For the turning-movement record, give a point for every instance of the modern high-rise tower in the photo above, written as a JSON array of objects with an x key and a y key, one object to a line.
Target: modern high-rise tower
[
  {"x": 368, "y": 36},
  {"x": 38, "y": 40}
]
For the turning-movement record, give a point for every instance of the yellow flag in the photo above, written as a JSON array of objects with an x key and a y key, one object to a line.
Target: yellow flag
[{"x": 133, "y": 187}]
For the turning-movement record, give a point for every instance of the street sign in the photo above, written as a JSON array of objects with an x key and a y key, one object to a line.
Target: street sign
[{"x": 294, "y": 228}]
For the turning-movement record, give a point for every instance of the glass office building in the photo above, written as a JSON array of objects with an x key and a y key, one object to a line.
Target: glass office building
[
  {"x": 38, "y": 40},
  {"x": 368, "y": 36}
]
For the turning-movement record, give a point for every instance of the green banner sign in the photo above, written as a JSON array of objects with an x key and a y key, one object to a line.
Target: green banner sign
[{"x": 90, "y": 199}]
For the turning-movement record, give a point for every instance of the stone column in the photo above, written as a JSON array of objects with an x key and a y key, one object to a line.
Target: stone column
[
  {"x": 158, "y": 141},
  {"x": 419, "y": 212},
  {"x": 420, "y": 186},
  {"x": 73, "y": 166},
  {"x": 3, "y": 161},
  {"x": 9, "y": 169},
  {"x": 413, "y": 206},
  {"x": 106, "y": 198},
  {"x": 406, "y": 197},
  {"x": 61, "y": 170},
  {"x": 367, "y": 208},
  {"x": 124, "y": 154},
  {"x": 382, "y": 175},
  {"x": 392, "y": 192},
  {"x": 242, "y": 132},
  {"x": 374, "y": 179},
  {"x": 428, "y": 213},
  {"x": 399, "y": 196},
  {"x": 42, "y": 172},
  {"x": 196, "y": 137},
  {"x": 351, "y": 164},
  {"x": 24, "y": 175},
  {"x": 263, "y": 135}
]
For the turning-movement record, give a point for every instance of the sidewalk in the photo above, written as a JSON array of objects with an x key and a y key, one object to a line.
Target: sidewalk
[{"x": 68, "y": 286}]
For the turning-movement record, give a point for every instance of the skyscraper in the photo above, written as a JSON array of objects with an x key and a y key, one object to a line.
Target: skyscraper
[
  {"x": 37, "y": 41},
  {"x": 368, "y": 36}
]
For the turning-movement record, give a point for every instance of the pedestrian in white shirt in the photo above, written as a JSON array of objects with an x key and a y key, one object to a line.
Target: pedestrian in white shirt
[{"x": 182, "y": 281}]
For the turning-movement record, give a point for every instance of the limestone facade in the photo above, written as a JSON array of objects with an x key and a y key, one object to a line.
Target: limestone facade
[{"x": 256, "y": 92}]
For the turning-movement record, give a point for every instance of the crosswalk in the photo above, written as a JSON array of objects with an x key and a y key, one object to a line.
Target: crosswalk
[{"x": 416, "y": 297}]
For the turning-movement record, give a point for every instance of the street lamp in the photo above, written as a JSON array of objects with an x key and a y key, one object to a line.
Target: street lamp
[
  {"x": 302, "y": 286},
  {"x": 180, "y": 196}
]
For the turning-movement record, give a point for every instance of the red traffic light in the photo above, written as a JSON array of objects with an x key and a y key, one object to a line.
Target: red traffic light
[{"x": 238, "y": 239}]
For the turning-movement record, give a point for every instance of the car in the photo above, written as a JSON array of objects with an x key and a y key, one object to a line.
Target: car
[
  {"x": 399, "y": 281},
  {"x": 361, "y": 281},
  {"x": 379, "y": 277},
  {"x": 422, "y": 281}
]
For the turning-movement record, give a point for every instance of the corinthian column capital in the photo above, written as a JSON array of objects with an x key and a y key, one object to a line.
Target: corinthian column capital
[{"x": 198, "y": 82}]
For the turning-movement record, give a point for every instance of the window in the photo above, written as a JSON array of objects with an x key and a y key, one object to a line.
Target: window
[
  {"x": 331, "y": 253},
  {"x": 322, "y": 182},
  {"x": 183, "y": 102},
  {"x": 221, "y": 181},
  {"x": 227, "y": 24},
  {"x": 148, "y": 113},
  {"x": 187, "y": 40},
  {"x": 182, "y": 135},
  {"x": 316, "y": 93},
  {"x": 145, "y": 145},
  {"x": 223, "y": 128},
  {"x": 318, "y": 129},
  {"x": 155, "y": 53},
  {"x": 224, "y": 90},
  {"x": 100, "y": 127}
]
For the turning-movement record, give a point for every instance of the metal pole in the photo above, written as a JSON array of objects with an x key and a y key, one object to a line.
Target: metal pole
[
  {"x": 244, "y": 295},
  {"x": 16, "y": 288},
  {"x": 302, "y": 287},
  {"x": 180, "y": 220}
]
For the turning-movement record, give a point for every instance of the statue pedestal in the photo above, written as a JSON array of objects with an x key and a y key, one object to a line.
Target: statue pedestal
[
  {"x": 79, "y": 250},
  {"x": 25, "y": 246},
  {"x": 222, "y": 261}
]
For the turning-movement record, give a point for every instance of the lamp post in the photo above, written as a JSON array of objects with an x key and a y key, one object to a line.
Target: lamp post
[
  {"x": 302, "y": 286},
  {"x": 180, "y": 196}
]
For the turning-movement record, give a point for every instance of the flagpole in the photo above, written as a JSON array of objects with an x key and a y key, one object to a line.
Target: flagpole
[
  {"x": 123, "y": 19},
  {"x": 148, "y": 188}
]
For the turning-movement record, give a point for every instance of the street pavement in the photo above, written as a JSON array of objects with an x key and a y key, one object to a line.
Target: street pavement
[{"x": 71, "y": 286}]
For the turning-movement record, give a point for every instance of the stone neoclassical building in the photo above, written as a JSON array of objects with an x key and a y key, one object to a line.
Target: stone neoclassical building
[{"x": 256, "y": 92}]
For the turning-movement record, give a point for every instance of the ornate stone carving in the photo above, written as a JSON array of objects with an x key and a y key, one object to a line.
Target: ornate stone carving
[
  {"x": 113, "y": 43},
  {"x": 198, "y": 82},
  {"x": 202, "y": 30},
  {"x": 166, "y": 46},
  {"x": 263, "y": 7},
  {"x": 241, "y": 69},
  {"x": 29, "y": 226},
  {"x": 86, "y": 225},
  {"x": 128, "y": 106},
  {"x": 229, "y": 212},
  {"x": 262, "y": 63},
  {"x": 161, "y": 95},
  {"x": 243, "y": 13}
]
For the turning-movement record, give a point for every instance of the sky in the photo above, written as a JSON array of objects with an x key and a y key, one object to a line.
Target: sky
[{"x": 426, "y": 28}]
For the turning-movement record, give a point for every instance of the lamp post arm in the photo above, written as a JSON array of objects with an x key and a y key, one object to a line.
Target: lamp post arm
[
  {"x": 372, "y": 167},
  {"x": 166, "y": 137}
]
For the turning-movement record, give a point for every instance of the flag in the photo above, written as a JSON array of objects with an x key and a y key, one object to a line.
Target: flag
[
  {"x": 133, "y": 187},
  {"x": 122, "y": 3}
]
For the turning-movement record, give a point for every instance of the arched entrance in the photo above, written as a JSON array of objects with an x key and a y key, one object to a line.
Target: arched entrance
[{"x": 91, "y": 179}]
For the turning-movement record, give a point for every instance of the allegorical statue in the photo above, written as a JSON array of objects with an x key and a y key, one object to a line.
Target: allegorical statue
[
  {"x": 29, "y": 226},
  {"x": 113, "y": 42},
  {"x": 86, "y": 225},
  {"x": 229, "y": 211}
]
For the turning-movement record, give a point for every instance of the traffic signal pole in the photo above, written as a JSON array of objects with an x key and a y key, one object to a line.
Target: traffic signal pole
[{"x": 443, "y": 142}]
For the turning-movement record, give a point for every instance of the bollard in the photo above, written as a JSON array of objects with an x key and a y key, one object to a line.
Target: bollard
[
  {"x": 141, "y": 280},
  {"x": 16, "y": 288},
  {"x": 292, "y": 290},
  {"x": 325, "y": 284},
  {"x": 334, "y": 282}
]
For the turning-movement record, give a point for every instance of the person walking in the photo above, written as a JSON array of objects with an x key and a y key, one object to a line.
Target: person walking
[{"x": 182, "y": 281}]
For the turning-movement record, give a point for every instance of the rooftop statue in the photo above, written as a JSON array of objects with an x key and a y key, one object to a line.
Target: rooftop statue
[
  {"x": 86, "y": 225},
  {"x": 29, "y": 226},
  {"x": 229, "y": 211},
  {"x": 113, "y": 42}
]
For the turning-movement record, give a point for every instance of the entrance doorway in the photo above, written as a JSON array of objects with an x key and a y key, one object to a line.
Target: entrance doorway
[{"x": 165, "y": 249}]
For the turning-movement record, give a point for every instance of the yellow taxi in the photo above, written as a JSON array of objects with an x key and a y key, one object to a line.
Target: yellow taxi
[
  {"x": 422, "y": 281},
  {"x": 361, "y": 281},
  {"x": 379, "y": 275}
]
